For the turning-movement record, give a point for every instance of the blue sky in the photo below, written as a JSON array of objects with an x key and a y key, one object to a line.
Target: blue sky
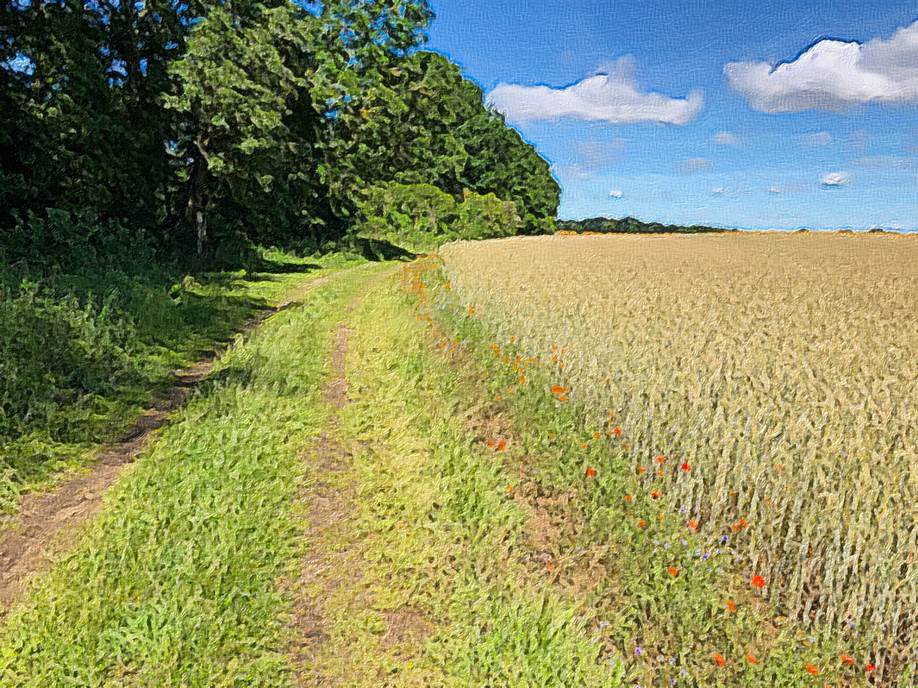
[{"x": 827, "y": 139}]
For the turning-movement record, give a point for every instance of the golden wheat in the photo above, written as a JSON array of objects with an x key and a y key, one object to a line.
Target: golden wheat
[{"x": 783, "y": 367}]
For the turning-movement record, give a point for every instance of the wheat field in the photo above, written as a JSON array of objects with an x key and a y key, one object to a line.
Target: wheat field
[{"x": 783, "y": 367}]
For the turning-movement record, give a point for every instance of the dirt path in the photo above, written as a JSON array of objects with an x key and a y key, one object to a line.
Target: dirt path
[
  {"x": 327, "y": 507},
  {"x": 39, "y": 532}
]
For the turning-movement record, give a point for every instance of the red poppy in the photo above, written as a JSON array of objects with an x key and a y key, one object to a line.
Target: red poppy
[
  {"x": 869, "y": 668},
  {"x": 673, "y": 571},
  {"x": 686, "y": 466},
  {"x": 617, "y": 431},
  {"x": 758, "y": 581},
  {"x": 590, "y": 472},
  {"x": 558, "y": 389},
  {"x": 751, "y": 658},
  {"x": 719, "y": 659},
  {"x": 655, "y": 494},
  {"x": 847, "y": 660},
  {"x": 693, "y": 525},
  {"x": 731, "y": 605},
  {"x": 814, "y": 670}
]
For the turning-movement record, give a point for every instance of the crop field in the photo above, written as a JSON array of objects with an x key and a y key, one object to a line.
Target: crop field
[{"x": 764, "y": 385}]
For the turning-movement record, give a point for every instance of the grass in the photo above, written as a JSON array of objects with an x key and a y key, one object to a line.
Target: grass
[
  {"x": 433, "y": 534},
  {"x": 84, "y": 346},
  {"x": 176, "y": 582}
]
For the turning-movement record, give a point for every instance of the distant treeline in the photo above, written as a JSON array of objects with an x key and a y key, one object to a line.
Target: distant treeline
[{"x": 630, "y": 225}]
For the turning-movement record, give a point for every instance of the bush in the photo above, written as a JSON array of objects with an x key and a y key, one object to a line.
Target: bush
[{"x": 486, "y": 217}]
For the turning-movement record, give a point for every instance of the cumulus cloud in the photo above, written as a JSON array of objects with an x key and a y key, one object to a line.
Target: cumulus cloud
[
  {"x": 725, "y": 138},
  {"x": 835, "y": 179},
  {"x": 612, "y": 96},
  {"x": 834, "y": 75},
  {"x": 616, "y": 193}
]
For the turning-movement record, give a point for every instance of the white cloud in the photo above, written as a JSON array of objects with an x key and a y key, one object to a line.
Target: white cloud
[
  {"x": 612, "y": 97},
  {"x": 616, "y": 193},
  {"x": 693, "y": 165},
  {"x": 835, "y": 179},
  {"x": 775, "y": 190},
  {"x": 833, "y": 75},
  {"x": 718, "y": 191},
  {"x": 725, "y": 138},
  {"x": 817, "y": 138}
]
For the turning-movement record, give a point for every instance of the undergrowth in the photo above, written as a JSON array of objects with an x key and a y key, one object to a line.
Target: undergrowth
[{"x": 93, "y": 322}]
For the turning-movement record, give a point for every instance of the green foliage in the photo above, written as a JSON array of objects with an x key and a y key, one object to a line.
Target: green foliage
[
  {"x": 486, "y": 217},
  {"x": 422, "y": 217},
  {"x": 92, "y": 321},
  {"x": 630, "y": 225}
]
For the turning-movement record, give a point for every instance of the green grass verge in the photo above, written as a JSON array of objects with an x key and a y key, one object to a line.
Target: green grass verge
[
  {"x": 175, "y": 583},
  {"x": 435, "y": 534},
  {"x": 84, "y": 347}
]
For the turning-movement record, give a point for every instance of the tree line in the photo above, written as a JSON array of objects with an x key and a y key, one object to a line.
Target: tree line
[
  {"x": 200, "y": 122},
  {"x": 630, "y": 225}
]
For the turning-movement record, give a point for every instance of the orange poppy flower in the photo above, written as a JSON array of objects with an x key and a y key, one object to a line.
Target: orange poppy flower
[
  {"x": 563, "y": 398},
  {"x": 549, "y": 566},
  {"x": 673, "y": 571},
  {"x": 491, "y": 444},
  {"x": 617, "y": 431},
  {"x": 641, "y": 470},
  {"x": 693, "y": 525},
  {"x": 509, "y": 489},
  {"x": 655, "y": 494},
  {"x": 558, "y": 389},
  {"x": 731, "y": 605},
  {"x": 660, "y": 459},
  {"x": 471, "y": 310},
  {"x": 719, "y": 659},
  {"x": 686, "y": 466},
  {"x": 751, "y": 658},
  {"x": 590, "y": 472},
  {"x": 629, "y": 498},
  {"x": 847, "y": 660},
  {"x": 743, "y": 522},
  {"x": 811, "y": 669},
  {"x": 522, "y": 379},
  {"x": 758, "y": 582},
  {"x": 501, "y": 445},
  {"x": 597, "y": 435},
  {"x": 584, "y": 445},
  {"x": 642, "y": 523},
  {"x": 870, "y": 668}
]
